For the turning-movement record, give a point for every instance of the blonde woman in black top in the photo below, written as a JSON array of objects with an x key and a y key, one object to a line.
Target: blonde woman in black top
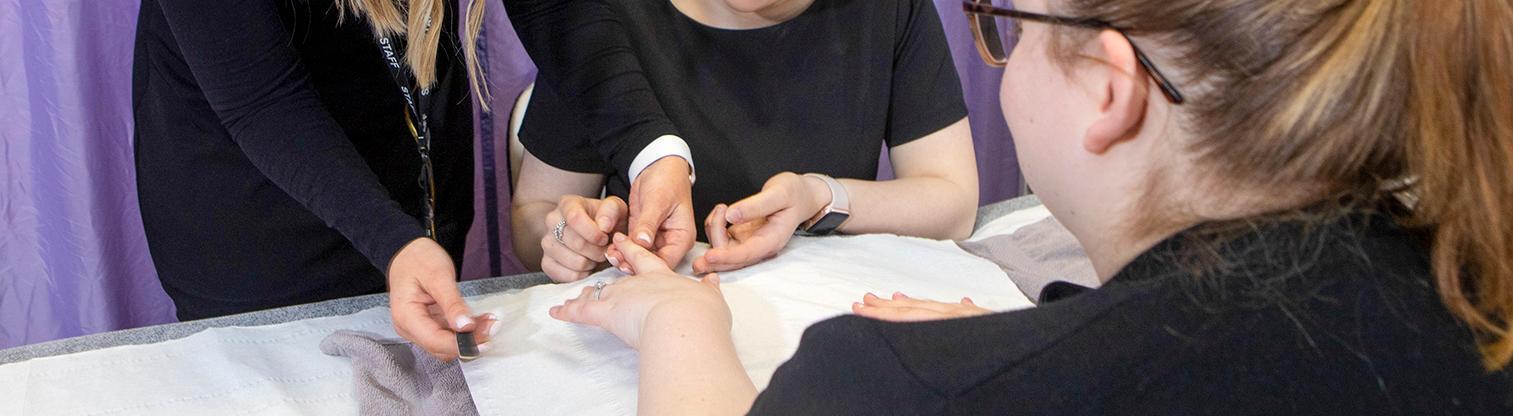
[
  {"x": 1297, "y": 207},
  {"x": 280, "y": 161}
]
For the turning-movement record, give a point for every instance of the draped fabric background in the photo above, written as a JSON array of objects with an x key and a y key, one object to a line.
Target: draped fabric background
[{"x": 73, "y": 259}]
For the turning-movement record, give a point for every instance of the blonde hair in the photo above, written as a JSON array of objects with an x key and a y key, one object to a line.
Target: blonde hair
[
  {"x": 1353, "y": 97},
  {"x": 402, "y": 17}
]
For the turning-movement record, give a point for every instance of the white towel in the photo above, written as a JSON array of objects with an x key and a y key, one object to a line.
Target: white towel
[
  {"x": 544, "y": 366},
  {"x": 539, "y": 365}
]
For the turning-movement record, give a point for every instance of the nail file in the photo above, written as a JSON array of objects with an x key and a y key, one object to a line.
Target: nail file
[{"x": 467, "y": 347}]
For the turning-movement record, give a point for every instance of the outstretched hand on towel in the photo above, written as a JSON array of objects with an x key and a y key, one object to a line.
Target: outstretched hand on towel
[
  {"x": 654, "y": 298},
  {"x": 903, "y": 308}
]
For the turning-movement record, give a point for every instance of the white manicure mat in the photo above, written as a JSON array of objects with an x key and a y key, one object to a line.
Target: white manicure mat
[
  {"x": 543, "y": 366},
  {"x": 538, "y": 366}
]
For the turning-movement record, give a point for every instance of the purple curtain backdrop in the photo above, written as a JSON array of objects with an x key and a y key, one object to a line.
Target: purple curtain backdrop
[{"x": 73, "y": 259}]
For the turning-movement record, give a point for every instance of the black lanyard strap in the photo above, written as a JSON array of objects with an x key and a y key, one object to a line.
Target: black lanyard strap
[{"x": 419, "y": 124}]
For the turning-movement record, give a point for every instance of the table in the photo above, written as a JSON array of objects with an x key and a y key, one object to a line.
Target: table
[{"x": 166, "y": 332}]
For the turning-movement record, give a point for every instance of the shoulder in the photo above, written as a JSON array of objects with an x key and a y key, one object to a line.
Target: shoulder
[{"x": 821, "y": 376}]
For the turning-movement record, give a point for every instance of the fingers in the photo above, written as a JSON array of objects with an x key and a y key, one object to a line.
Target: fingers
[
  {"x": 581, "y": 221},
  {"x": 414, "y": 322},
  {"x": 609, "y": 214},
  {"x": 716, "y": 227},
  {"x": 443, "y": 289},
  {"x": 761, "y": 205},
  {"x": 760, "y": 245},
  {"x": 637, "y": 258},
  {"x": 897, "y": 314},
  {"x": 559, "y": 273},
  {"x": 583, "y": 309}
]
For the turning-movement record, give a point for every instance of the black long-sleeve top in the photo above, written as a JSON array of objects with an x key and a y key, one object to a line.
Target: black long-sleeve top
[
  {"x": 274, "y": 164},
  {"x": 1340, "y": 319},
  {"x": 582, "y": 49}
]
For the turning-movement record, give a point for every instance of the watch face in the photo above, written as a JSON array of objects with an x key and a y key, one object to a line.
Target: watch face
[{"x": 828, "y": 223}]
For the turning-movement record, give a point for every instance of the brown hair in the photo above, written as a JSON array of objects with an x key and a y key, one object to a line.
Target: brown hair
[
  {"x": 398, "y": 17},
  {"x": 1351, "y": 98}
]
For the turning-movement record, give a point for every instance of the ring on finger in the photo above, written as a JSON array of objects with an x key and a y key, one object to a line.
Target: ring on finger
[
  {"x": 599, "y": 288},
  {"x": 557, "y": 231}
]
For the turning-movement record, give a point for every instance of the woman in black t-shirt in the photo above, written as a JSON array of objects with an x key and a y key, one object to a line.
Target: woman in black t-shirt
[
  {"x": 1296, "y": 208},
  {"x": 772, "y": 100}
]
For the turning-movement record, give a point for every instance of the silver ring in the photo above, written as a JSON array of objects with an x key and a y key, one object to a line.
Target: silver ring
[
  {"x": 599, "y": 288},
  {"x": 557, "y": 231}
]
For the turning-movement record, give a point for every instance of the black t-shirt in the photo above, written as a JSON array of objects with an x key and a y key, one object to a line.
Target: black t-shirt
[
  {"x": 822, "y": 92},
  {"x": 274, "y": 164},
  {"x": 1341, "y": 319}
]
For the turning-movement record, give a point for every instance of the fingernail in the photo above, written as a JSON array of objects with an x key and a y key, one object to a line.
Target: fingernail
[
  {"x": 485, "y": 347},
  {"x": 612, "y": 261},
  {"x": 463, "y": 322},
  {"x": 733, "y": 216},
  {"x": 619, "y": 237},
  {"x": 494, "y": 328},
  {"x": 644, "y": 237}
]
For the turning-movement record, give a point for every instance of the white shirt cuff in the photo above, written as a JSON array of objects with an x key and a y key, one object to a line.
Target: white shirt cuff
[{"x": 662, "y": 147}]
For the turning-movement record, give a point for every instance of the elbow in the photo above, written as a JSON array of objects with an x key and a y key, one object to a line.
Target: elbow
[
  {"x": 961, "y": 219},
  {"x": 962, "y": 225},
  {"x": 964, "y": 214}
]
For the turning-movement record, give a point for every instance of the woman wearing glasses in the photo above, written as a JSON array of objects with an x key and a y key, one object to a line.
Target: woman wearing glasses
[
  {"x": 292, "y": 152},
  {"x": 1297, "y": 207},
  {"x": 783, "y": 107}
]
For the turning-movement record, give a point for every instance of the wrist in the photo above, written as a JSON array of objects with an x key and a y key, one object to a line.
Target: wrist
[
  {"x": 818, "y": 196},
  {"x": 672, "y": 167}
]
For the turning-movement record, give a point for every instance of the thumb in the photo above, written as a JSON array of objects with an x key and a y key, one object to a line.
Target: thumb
[
  {"x": 761, "y": 205},
  {"x": 611, "y": 210},
  {"x": 443, "y": 289},
  {"x": 640, "y": 259},
  {"x": 647, "y": 217}
]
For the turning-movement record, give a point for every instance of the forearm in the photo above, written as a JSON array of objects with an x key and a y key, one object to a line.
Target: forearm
[
  {"x": 935, "y": 195},
  {"x": 527, "y": 221},
  {"x": 928, "y": 207},
  {"x": 691, "y": 367}
]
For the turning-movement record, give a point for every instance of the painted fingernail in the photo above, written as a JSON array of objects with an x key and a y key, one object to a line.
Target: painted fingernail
[
  {"x": 494, "y": 328},
  {"x": 644, "y": 237},
  {"x": 485, "y": 347},
  {"x": 612, "y": 261},
  {"x": 463, "y": 322}
]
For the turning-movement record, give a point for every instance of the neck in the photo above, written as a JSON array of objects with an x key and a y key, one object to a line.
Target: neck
[{"x": 718, "y": 13}]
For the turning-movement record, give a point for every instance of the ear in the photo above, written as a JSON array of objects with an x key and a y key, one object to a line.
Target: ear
[{"x": 1122, "y": 105}]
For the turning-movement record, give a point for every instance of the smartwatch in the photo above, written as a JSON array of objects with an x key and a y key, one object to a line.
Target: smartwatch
[{"x": 834, "y": 214}]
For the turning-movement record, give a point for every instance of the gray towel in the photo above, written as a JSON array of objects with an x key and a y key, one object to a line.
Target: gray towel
[
  {"x": 397, "y": 378},
  {"x": 1036, "y": 255}
]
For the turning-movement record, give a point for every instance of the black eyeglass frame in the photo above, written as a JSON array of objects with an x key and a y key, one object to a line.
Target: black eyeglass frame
[{"x": 972, "y": 8}]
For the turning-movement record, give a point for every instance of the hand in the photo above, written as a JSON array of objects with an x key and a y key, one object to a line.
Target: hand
[
  {"x": 426, "y": 306},
  {"x": 903, "y": 308},
  {"x": 584, "y": 238},
  {"x": 762, "y": 224},
  {"x": 653, "y": 297},
  {"x": 661, "y": 210}
]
